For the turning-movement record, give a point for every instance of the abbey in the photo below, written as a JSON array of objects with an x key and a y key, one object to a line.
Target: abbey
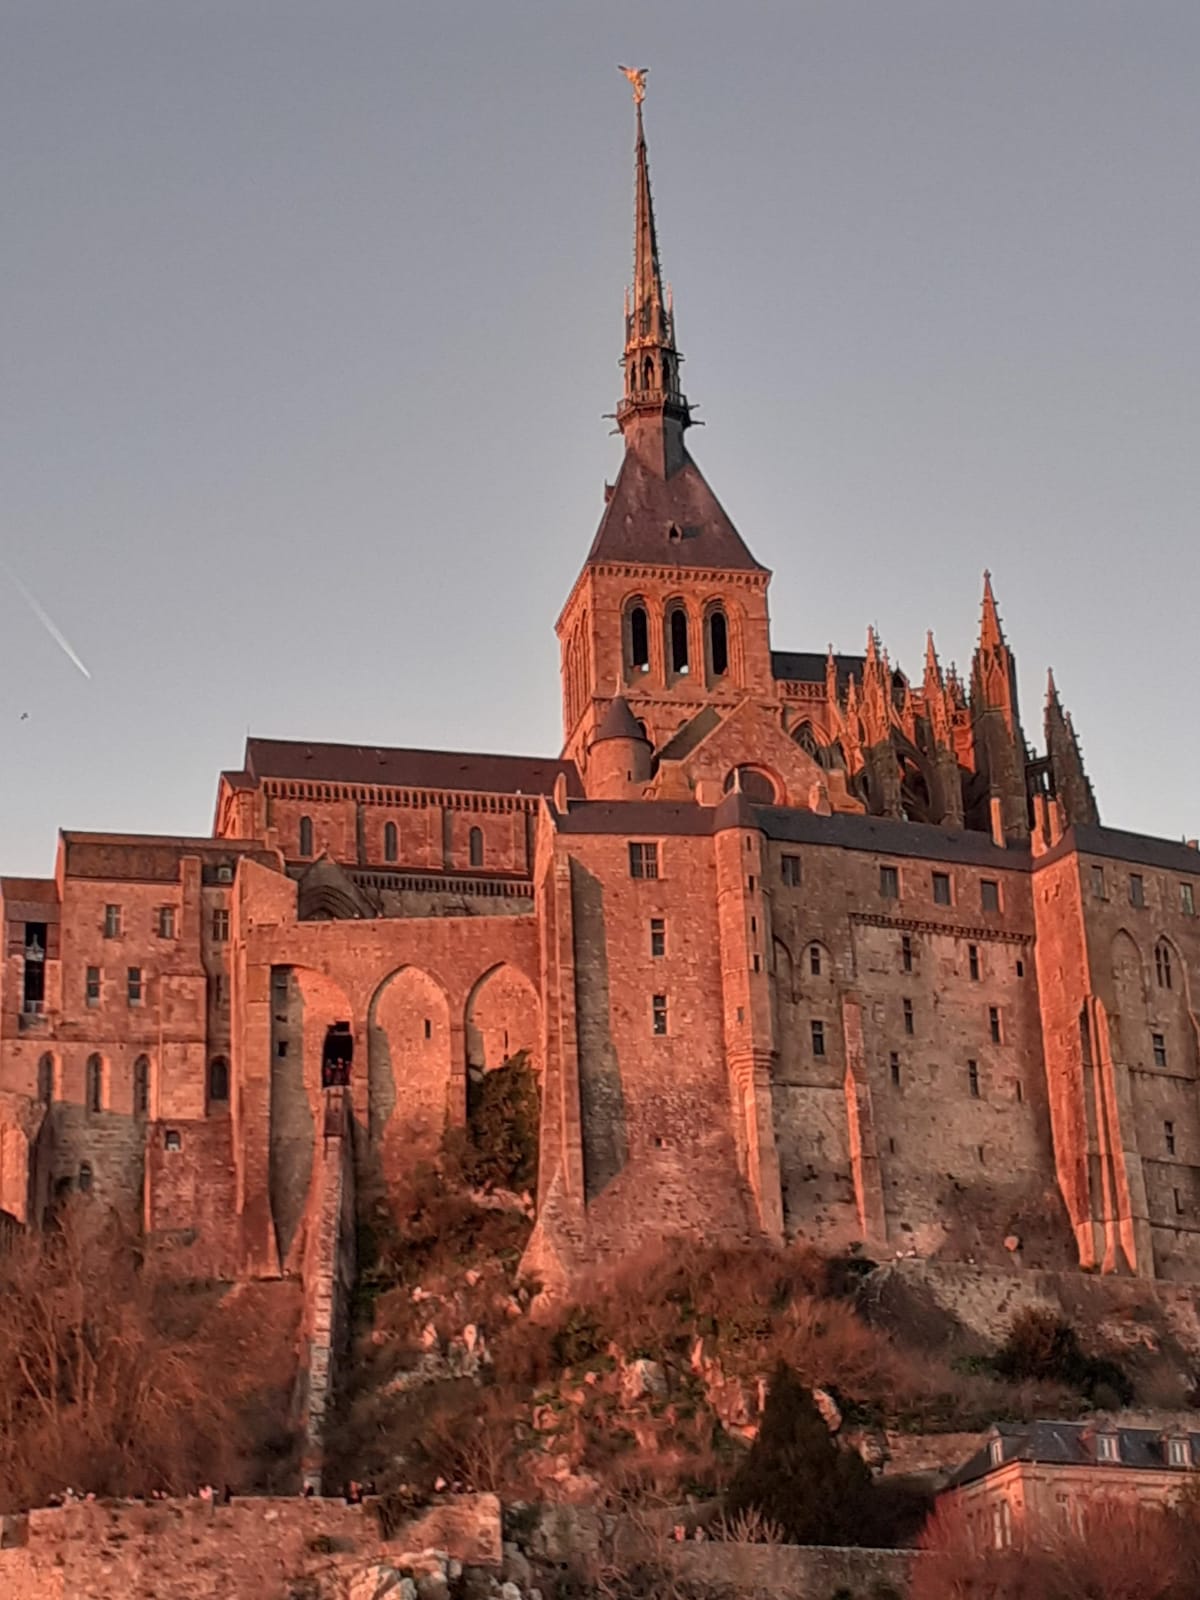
[{"x": 798, "y": 946}]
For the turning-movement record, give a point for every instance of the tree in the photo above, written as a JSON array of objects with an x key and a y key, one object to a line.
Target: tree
[{"x": 797, "y": 1475}]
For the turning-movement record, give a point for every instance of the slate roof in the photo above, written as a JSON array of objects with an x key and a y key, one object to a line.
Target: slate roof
[
  {"x": 644, "y": 507},
  {"x": 619, "y": 722},
  {"x": 1069, "y": 1444},
  {"x": 808, "y": 666},
  {"x": 410, "y": 769},
  {"x": 1142, "y": 849}
]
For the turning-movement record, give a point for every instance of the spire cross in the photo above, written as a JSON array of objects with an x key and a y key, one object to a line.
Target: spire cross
[{"x": 637, "y": 77}]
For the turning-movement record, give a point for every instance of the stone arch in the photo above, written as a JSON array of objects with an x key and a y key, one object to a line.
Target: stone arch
[
  {"x": 635, "y": 633},
  {"x": 503, "y": 1018},
  {"x": 759, "y": 784},
  {"x": 409, "y": 1065},
  {"x": 1129, "y": 996},
  {"x": 304, "y": 1005},
  {"x": 1170, "y": 1007},
  {"x": 816, "y": 964}
]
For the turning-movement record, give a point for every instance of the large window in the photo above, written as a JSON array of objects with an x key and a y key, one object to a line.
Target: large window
[{"x": 643, "y": 860}]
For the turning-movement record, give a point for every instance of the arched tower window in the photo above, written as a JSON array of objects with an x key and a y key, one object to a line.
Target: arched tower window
[
  {"x": 85, "y": 1177},
  {"x": 475, "y": 847},
  {"x": 94, "y": 1084},
  {"x": 391, "y": 846},
  {"x": 638, "y": 638},
  {"x": 718, "y": 642},
  {"x": 306, "y": 836},
  {"x": 1162, "y": 964},
  {"x": 756, "y": 785},
  {"x": 218, "y": 1081},
  {"x": 141, "y": 1086},
  {"x": 45, "y": 1079},
  {"x": 677, "y": 639},
  {"x": 648, "y": 374}
]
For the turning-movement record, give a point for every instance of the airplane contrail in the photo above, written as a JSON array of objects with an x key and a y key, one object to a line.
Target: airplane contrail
[{"x": 46, "y": 621}]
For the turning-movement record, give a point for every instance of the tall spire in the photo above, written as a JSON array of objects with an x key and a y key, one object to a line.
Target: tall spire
[
  {"x": 653, "y": 400},
  {"x": 1068, "y": 776}
]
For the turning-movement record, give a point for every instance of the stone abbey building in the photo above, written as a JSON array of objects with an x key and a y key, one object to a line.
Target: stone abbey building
[{"x": 799, "y": 946}]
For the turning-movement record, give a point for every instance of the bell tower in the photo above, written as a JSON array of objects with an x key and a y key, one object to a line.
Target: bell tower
[{"x": 670, "y": 609}]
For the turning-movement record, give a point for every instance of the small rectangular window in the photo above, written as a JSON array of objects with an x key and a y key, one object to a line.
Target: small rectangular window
[
  {"x": 906, "y": 951},
  {"x": 133, "y": 985},
  {"x": 281, "y": 1049},
  {"x": 112, "y": 922},
  {"x": 658, "y": 937},
  {"x": 973, "y": 961},
  {"x": 1169, "y": 1137},
  {"x": 941, "y": 888},
  {"x": 1187, "y": 899},
  {"x": 789, "y": 869},
  {"x": 989, "y": 894},
  {"x": 1159, "y": 1043},
  {"x": 1099, "y": 892},
  {"x": 659, "y": 1013},
  {"x": 92, "y": 988},
  {"x": 818, "y": 1038},
  {"x": 1020, "y": 969},
  {"x": 973, "y": 1079},
  {"x": 894, "y": 1066},
  {"x": 814, "y": 960},
  {"x": 1178, "y": 1203},
  {"x": 220, "y": 925},
  {"x": 1137, "y": 889},
  {"x": 172, "y": 1139},
  {"x": 889, "y": 883},
  {"x": 994, "y": 1024},
  {"x": 908, "y": 1017},
  {"x": 1018, "y": 1090},
  {"x": 757, "y": 963},
  {"x": 643, "y": 860},
  {"x": 166, "y": 922},
  {"x": 429, "y": 1031}
]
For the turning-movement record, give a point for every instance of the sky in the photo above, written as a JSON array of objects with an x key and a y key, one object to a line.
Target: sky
[{"x": 310, "y": 317}]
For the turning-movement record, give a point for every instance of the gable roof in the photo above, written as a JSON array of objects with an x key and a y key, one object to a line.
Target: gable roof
[
  {"x": 643, "y": 509},
  {"x": 409, "y": 769},
  {"x": 1070, "y": 1444}
]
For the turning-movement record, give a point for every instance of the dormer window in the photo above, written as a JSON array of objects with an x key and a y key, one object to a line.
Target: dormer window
[
  {"x": 996, "y": 1452},
  {"x": 1108, "y": 1447},
  {"x": 1179, "y": 1450}
]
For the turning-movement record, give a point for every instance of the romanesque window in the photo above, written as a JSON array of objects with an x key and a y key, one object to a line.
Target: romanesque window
[
  {"x": 475, "y": 847},
  {"x": 973, "y": 1079},
  {"x": 658, "y": 1013},
  {"x": 814, "y": 960},
  {"x": 391, "y": 842},
  {"x": 909, "y": 1022},
  {"x": 94, "y": 1084},
  {"x": 989, "y": 894},
  {"x": 1098, "y": 889},
  {"x": 789, "y": 871},
  {"x": 638, "y": 638},
  {"x": 112, "y": 922},
  {"x": 994, "y": 1024},
  {"x": 1169, "y": 1137},
  {"x": 141, "y": 1086},
  {"x": 133, "y": 985},
  {"x": 1187, "y": 899},
  {"x": 889, "y": 883},
  {"x": 45, "y": 1079},
  {"x": 1158, "y": 1043},
  {"x": 166, "y": 922},
  {"x": 677, "y": 639},
  {"x": 818, "y": 1037},
  {"x": 1162, "y": 964},
  {"x": 1137, "y": 890},
  {"x": 718, "y": 642},
  {"x": 643, "y": 860},
  {"x": 85, "y": 1178},
  {"x": 220, "y": 925},
  {"x": 91, "y": 988},
  {"x": 218, "y": 1080},
  {"x": 973, "y": 961},
  {"x": 658, "y": 937},
  {"x": 941, "y": 888},
  {"x": 306, "y": 836}
]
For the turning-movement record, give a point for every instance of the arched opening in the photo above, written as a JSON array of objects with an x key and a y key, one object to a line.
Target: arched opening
[
  {"x": 1162, "y": 964},
  {"x": 648, "y": 373},
  {"x": 409, "y": 1068},
  {"x": 638, "y": 642},
  {"x": 85, "y": 1177},
  {"x": 218, "y": 1081},
  {"x": 94, "y": 1084},
  {"x": 677, "y": 639},
  {"x": 141, "y": 1086},
  {"x": 306, "y": 836},
  {"x": 475, "y": 847},
  {"x": 337, "y": 1056},
  {"x": 45, "y": 1079},
  {"x": 757, "y": 785},
  {"x": 807, "y": 740},
  {"x": 718, "y": 643},
  {"x": 503, "y": 1030},
  {"x": 391, "y": 842}
]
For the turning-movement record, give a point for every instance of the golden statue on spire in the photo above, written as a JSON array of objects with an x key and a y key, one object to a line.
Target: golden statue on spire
[{"x": 637, "y": 77}]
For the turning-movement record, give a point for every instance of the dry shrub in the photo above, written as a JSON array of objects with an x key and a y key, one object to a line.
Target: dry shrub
[{"x": 107, "y": 1375}]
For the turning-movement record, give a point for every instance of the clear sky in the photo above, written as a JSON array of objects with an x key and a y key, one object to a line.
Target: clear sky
[{"x": 309, "y": 316}]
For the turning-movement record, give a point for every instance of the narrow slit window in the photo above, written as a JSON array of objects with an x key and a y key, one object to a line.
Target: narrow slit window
[
  {"x": 306, "y": 836},
  {"x": 894, "y": 1067},
  {"x": 677, "y": 635},
  {"x": 141, "y": 1086},
  {"x": 92, "y": 986},
  {"x": 994, "y": 1024},
  {"x": 218, "y": 1080},
  {"x": 906, "y": 951},
  {"x": 814, "y": 960},
  {"x": 973, "y": 961},
  {"x": 1187, "y": 899},
  {"x": 134, "y": 986},
  {"x": 475, "y": 847},
  {"x": 718, "y": 643},
  {"x": 1158, "y": 1043},
  {"x": 909, "y": 1022},
  {"x": 639, "y": 639},
  {"x": 973, "y": 1079},
  {"x": 391, "y": 842},
  {"x": 658, "y": 1014},
  {"x": 1169, "y": 1137},
  {"x": 658, "y": 937},
  {"x": 94, "y": 1084},
  {"x": 818, "y": 1037}
]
